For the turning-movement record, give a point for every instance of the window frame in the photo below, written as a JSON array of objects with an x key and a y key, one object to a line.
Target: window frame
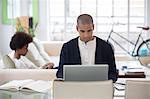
[{"x": 8, "y": 21}]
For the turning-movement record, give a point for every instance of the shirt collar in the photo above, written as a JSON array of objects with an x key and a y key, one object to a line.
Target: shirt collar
[{"x": 87, "y": 43}]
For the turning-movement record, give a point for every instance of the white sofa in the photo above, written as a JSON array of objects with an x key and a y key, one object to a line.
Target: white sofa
[
  {"x": 53, "y": 48},
  {"x": 20, "y": 74}
]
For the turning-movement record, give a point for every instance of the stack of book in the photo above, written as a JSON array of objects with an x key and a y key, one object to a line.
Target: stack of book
[{"x": 133, "y": 73}]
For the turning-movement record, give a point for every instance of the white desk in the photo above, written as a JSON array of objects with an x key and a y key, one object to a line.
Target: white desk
[{"x": 130, "y": 64}]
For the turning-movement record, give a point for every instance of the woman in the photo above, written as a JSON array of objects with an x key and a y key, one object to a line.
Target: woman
[{"x": 19, "y": 43}]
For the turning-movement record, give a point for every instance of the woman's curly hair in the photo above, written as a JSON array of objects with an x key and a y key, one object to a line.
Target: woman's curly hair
[{"x": 20, "y": 39}]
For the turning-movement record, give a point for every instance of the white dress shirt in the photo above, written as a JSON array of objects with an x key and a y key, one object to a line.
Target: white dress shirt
[{"x": 87, "y": 51}]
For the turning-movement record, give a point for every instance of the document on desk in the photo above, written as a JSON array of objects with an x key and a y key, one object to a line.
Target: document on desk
[
  {"x": 118, "y": 93},
  {"x": 135, "y": 70},
  {"x": 119, "y": 86},
  {"x": 27, "y": 85}
]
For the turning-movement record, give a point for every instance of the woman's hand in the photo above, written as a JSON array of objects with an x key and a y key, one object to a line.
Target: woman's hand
[{"x": 48, "y": 65}]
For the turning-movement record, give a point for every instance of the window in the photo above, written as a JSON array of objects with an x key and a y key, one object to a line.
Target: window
[
  {"x": 15, "y": 8},
  {"x": 11, "y": 5},
  {"x": 63, "y": 14}
]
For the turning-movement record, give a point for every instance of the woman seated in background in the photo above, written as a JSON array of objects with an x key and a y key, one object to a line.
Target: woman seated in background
[{"x": 19, "y": 43}]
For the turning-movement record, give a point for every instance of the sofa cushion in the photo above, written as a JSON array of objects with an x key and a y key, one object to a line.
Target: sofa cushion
[
  {"x": 35, "y": 74},
  {"x": 8, "y": 62},
  {"x": 41, "y": 50}
]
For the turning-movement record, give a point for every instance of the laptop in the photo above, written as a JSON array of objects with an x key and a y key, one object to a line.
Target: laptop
[{"x": 85, "y": 72}]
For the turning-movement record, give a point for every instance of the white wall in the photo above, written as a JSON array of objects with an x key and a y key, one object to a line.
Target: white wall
[
  {"x": 148, "y": 15},
  {"x": 5, "y": 34},
  {"x": 148, "y": 12},
  {"x": 42, "y": 30}
]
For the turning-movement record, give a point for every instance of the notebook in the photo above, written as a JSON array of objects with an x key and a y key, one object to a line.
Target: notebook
[{"x": 85, "y": 72}]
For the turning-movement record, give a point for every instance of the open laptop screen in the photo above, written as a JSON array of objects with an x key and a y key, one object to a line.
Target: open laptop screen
[{"x": 85, "y": 72}]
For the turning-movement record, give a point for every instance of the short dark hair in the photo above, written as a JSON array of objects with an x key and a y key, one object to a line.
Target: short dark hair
[
  {"x": 20, "y": 39},
  {"x": 85, "y": 19}
]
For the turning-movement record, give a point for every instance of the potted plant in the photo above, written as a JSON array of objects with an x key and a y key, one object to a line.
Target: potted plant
[{"x": 25, "y": 24}]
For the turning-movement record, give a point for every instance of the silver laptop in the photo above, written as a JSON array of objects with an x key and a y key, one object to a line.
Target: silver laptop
[{"x": 85, "y": 72}]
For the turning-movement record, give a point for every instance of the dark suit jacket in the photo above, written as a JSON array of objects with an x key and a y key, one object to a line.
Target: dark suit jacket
[{"x": 70, "y": 55}]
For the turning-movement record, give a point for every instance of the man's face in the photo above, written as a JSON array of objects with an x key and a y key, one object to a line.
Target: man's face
[{"x": 85, "y": 31}]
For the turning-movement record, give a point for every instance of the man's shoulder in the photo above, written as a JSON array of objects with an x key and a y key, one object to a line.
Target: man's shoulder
[
  {"x": 102, "y": 42},
  {"x": 99, "y": 40},
  {"x": 72, "y": 41}
]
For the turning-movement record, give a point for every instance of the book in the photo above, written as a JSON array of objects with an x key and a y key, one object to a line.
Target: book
[
  {"x": 28, "y": 85},
  {"x": 119, "y": 86},
  {"x": 7, "y": 94}
]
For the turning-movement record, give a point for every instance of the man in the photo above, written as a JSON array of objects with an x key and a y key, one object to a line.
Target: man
[{"x": 87, "y": 49}]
